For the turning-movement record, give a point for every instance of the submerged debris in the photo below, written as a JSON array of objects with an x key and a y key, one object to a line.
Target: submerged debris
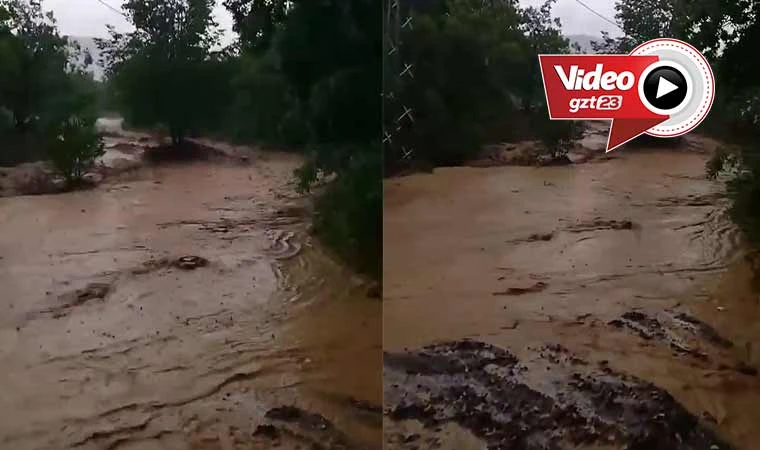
[
  {"x": 602, "y": 224},
  {"x": 269, "y": 431},
  {"x": 92, "y": 292},
  {"x": 535, "y": 237},
  {"x": 538, "y": 287},
  {"x": 307, "y": 428},
  {"x": 150, "y": 266},
  {"x": 294, "y": 414},
  {"x": 691, "y": 200},
  {"x": 746, "y": 369},
  {"x": 679, "y": 331},
  {"x": 541, "y": 237},
  {"x": 190, "y": 262}
]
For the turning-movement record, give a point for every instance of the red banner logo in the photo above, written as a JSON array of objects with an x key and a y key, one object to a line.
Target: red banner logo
[{"x": 663, "y": 88}]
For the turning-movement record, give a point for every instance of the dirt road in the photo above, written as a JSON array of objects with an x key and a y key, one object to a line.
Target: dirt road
[
  {"x": 182, "y": 306},
  {"x": 603, "y": 305}
]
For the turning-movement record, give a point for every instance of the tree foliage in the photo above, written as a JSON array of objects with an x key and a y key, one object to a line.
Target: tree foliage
[
  {"x": 264, "y": 107},
  {"x": 475, "y": 78},
  {"x": 41, "y": 88},
  {"x": 709, "y": 25},
  {"x": 257, "y": 21},
  {"x": 156, "y": 70},
  {"x": 33, "y": 61}
]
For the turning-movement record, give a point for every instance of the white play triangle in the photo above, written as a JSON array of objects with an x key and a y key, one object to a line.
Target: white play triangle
[{"x": 665, "y": 87}]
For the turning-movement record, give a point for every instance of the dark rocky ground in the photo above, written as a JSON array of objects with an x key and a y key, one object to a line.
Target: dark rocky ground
[{"x": 555, "y": 401}]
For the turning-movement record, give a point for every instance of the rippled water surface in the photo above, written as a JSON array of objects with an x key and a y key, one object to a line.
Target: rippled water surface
[
  {"x": 523, "y": 257},
  {"x": 110, "y": 339}
]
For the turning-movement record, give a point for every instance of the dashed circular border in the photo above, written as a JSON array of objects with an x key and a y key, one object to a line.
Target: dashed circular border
[{"x": 709, "y": 85}]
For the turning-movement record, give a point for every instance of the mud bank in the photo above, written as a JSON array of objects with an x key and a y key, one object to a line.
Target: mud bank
[
  {"x": 125, "y": 152},
  {"x": 589, "y": 147},
  {"x": 629, "y": 263},
  {"x": 181, "y": 306}
]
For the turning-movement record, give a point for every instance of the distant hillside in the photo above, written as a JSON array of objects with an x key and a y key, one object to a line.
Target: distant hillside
[
  {"x": 88, "y": 44},
  {"x": 584, "y": 41}
]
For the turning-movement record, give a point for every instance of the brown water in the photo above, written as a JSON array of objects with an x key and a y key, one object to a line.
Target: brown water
[
  {"x": 521, "y": 257},
  {"x": 156, "y": 357}
]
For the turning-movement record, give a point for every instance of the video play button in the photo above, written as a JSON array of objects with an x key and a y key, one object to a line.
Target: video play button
[{"x": 665, "y": 88}]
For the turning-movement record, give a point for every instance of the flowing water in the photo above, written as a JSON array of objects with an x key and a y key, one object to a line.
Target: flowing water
[
  {"x": 176, "y": 307},
  {"x": 615, "y": 260}
]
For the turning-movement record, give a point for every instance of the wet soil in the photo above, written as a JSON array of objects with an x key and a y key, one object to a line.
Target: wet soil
[
  {"x": 175, "y": 306},
  {"x": 629, "y": 262}
]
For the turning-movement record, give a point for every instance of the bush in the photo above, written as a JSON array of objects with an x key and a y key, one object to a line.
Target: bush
[
  {"x": 349, "y": 210},
  {"x": 73, "y": 147},
  {"x": 740, "y": 167},
  {"x": 556, "y": 135}
]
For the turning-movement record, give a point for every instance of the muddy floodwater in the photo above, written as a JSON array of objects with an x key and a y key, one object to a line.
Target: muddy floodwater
[
  {"x": 603, "y": 305},
  {"x": 182, "y": 306}
]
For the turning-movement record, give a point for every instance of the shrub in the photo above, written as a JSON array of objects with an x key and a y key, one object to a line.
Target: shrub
[
  {"x": 73, "y": 147},
  {"x": 349, "y": 210},
  {"x": 556, "y": 135},
  {"x": 740, "y": 167}
]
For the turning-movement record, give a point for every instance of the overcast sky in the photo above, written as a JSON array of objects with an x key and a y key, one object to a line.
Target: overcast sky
[
  {"x": 578, "y": 20},
  {"x": 89, "y": 17}
]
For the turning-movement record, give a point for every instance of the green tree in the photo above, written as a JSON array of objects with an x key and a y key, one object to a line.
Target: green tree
[
  {"x": 34, "y": 60},
  {"x": 476, "y": 78},
  {"x": 257, "y": 21},
  {"x": 707, "y": 24},
  {"x": 41, "y": 85},
  {"x": 166, "y": 72}
]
